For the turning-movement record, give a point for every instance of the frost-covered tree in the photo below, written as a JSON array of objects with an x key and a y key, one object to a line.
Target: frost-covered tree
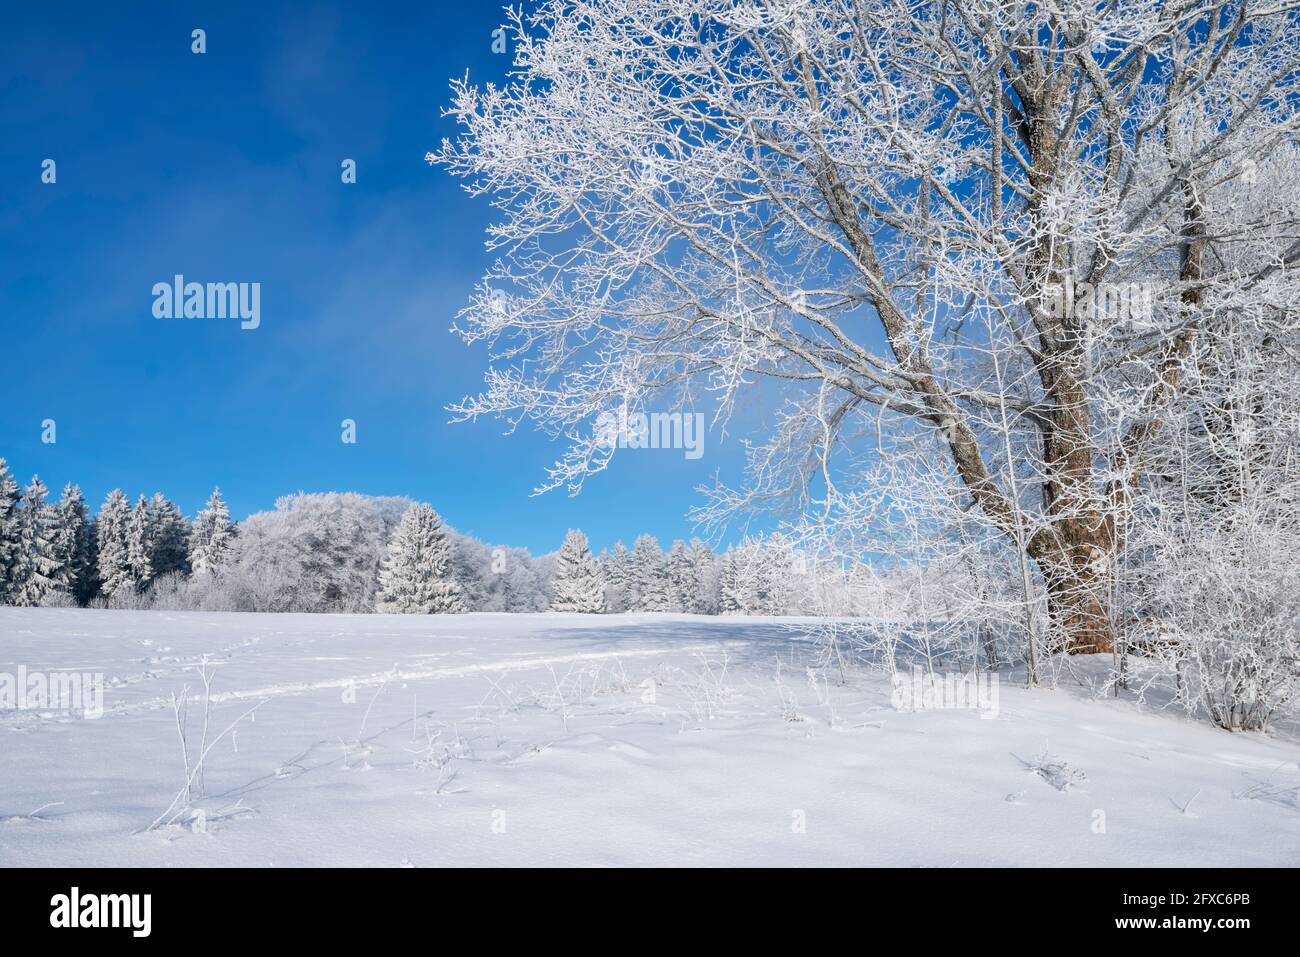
[
  {"x": 169, "y": 533},
  {"x": 683, "y": 577},
  {"x": 730, "y": 594},
  {"x": 524, "y": 591},
  {"x": 139, "y": 546},
  {"x": 706, "y": 579},
  {"x": 113, "y": 564},
  {"x": 754, "y": 578},
  {"x": 40, "y": 569},
  {"x": 212, "y": 536},
  {"x": 495, "y": 578},
  {"x": 983, "y": 235},
  {"x": 1214, "y": 577},
  {"x": 416, "y": 577},
  {"x": 88, "y": 583},
  {"x": 616, "y": 567},
  {"x": 72, "y": 543},
  {"x": 578, "y": 585},
  {"x": 312, "y": 553},
  {"x": 788, "y": 579},
  {"x": 10, "y": 495},
  {"x": 750, "y": 579},
  {"x": 651, "y": 590},
  {"x": 517, "y": 582}
]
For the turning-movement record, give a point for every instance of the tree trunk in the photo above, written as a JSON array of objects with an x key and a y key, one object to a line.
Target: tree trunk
[{"x": 1079, "y": 593}]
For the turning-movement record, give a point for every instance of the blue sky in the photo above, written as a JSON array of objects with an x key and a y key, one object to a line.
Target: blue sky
[{"x": 226, "y": 167}]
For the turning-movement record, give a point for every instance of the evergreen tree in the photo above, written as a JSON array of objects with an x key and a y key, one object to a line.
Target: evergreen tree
[
  {"x": 785, "y": 575},
  {"x": 706, "y": 579},
  {"x": 39, "y": 568},
  {"x": 110, "y": 540},
  {"x": 212, "y": 536},
  {"x": 72, "y": 542},
  {"x": 10, "y": 553},
  {"x": 416, "y": 575},
  {"x": 730, "y": 590},
  {"x": 683, "y": 578},
  {"x": 139, "y": 546},
  {"x": 578, "y": 585},
  {"x": 170, "y": 534},
  {"x": 88, "y": 580},
  {"x": 616, "y": 567},
  {"x": 650, "y": 576}
]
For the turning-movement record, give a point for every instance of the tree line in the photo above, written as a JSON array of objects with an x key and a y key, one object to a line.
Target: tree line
[{"x": 345, "y": 552}]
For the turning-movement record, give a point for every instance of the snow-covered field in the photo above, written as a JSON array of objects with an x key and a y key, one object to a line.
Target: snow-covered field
[{"x": 593, "y": 740}]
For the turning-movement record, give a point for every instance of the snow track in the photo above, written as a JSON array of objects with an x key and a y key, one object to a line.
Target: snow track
[{"x": 419, "y": 674}]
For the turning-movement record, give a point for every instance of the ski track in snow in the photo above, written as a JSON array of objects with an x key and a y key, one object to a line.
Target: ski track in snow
[{"x": 420, "y": 674}]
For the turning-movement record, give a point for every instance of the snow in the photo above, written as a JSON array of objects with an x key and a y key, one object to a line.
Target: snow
[{"x": 555, "y": 739}]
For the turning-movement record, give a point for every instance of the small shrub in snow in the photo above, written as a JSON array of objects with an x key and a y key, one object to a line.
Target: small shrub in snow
[{"x": 1055, "y": 772}]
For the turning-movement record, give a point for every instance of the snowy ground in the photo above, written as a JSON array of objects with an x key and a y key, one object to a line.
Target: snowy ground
[{"x": 580, "y": 740}]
